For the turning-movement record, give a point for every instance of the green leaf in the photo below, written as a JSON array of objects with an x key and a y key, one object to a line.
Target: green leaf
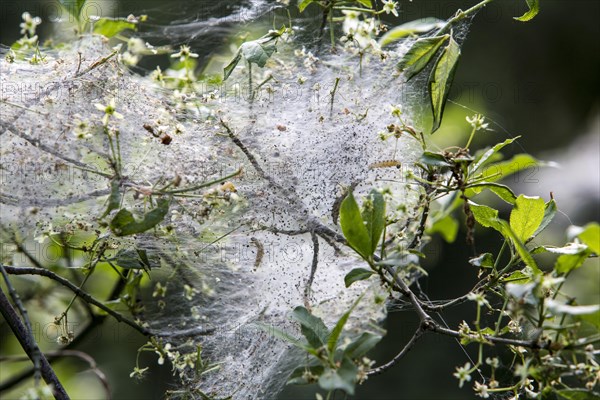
[
  {"x": 344, "y": 378},
  {"x": 73, "y": 7},
  {"x": 357, "y": 274},
  {"x": 353, "y": 227},
  {"x": 534, "y": 9},
  {"x": 109, "y": 27},
  {"x": 485, "y": 216},
  {"x": 419, "y": 55},
  {"x": 591, "y": 236},
  {"x": 526, "y": 216},
  {"x": 480, "y": 160},
  {"x": 447, "y": 227},
  {"x": 516, "y": 277},
  {"x": 114, "y": 199},
  {"x": 278, "y": 333},
  {"x": 362, "y": 345},
  {"x": 441, "y": 80},
  {"x": 502, "y": 191},
  {"x": 422, "y": 25},
  {"x": 303, "y": 4},
  {"x": 373, "y": 215},
  {"x": 549, "y": 213},
  {"x": 123, "y": 223},
  {"x": 495, "y": 172},
  {"x": 134, "y": 259},
  {"x": 366, "y": 3},
  {"x": 434, "y": 159},
  {"x": 258, "y": 51},
  {"x": 232, "y": 64},
  {"x": 566, "y": 263},
  {"x": 333, "y": 338},
  {"x": 313, "y": 328},
  {"x": 485, "y": 260},
  {"x": 519, "y": 246}
]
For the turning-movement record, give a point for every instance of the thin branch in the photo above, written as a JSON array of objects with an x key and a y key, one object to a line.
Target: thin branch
[
  {"x": 84, "y": 295},
  {"x": 313, "y": 269},
  {"x": 407, "y": 347},
  {"x": 23, "y": 311},
  {"x": 38, "y": 144},
  {"x": 30, "y": 347}
]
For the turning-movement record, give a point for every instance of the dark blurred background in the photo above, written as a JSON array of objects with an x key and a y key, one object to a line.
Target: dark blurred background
[{"x": 538, "y": 79}]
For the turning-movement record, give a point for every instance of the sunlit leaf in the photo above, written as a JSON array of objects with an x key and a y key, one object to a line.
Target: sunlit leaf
[
  {"x": 422, "y": 25},
  {"x": 73, "y": 7},
  {"x": 549, "y": 213},
  {"x": 526, "y": 216},
  {"x": 519, "y": 246},
  {"x": 502, "y": 191},
  {"x": 419, "y": 55},
  {"x": 591, "y": 236},
  {"x": 485, "y": 260},
  {"x": 566, "y": 263},
  {"x": 534, "y": 9},
  {"x": 109, "y": 27},
  {"x": 480, "y": 160},
  {"x": 303, "y": 4}
]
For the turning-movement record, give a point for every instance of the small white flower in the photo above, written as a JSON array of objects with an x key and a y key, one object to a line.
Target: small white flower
[
  {"x": 109, "y": 110},
  {"x": 477, "y": 121},
  {"x": 479, "y": 299},
  {"x": 184, "y": 53},
  {"x": 481, "y": 390},
  {"x": 390, "y": 7},
  {"x": 29, "y": 24},
  {"x": 463, "y": 374}
]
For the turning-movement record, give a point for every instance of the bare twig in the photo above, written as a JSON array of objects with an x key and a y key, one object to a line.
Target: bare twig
[{"x": 407, "y": 347}]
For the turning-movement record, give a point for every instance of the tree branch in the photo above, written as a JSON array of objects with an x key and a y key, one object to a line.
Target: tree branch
[
  {"x": 30, "y": 347},
  {"x": 84, "y": 295}
]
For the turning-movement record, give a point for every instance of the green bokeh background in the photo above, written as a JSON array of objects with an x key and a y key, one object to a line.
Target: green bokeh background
[{"x": 538, "y": 79}]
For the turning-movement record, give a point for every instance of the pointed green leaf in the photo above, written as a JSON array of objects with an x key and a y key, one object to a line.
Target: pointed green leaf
[
  {"x": 278, "y": 333},
  {"x": 123, "y": 223},
  {"x": 526, "y": 216},
  {"x": 534, "y": 9},
  {"x": 333, "y": 338},
  {"x": 495, "y": 172},
  {"x": 440, "y": 81},
  {"x": 366, "y": 3},
  {"x": 502, "y": 191},
  {"x": 353, "y": 227},
  {"x": 591, "y": 236},
  {"x": 434, "y": 159},
  {"x": 566, "y": 263},
  {"x": 357, "y": 274},
  {"x": 303, "y": 4},
  {"x": 578, "y": 394},
  {"x": 419, "y": 55},
  {"x": 485, "y": 216},
  {"x": 422, "y": 25},
  {"x": 232, "y": 64},
  {"x": 109, "y": 27},
  {"x": 480, "y": 160},
  {"x": 549, "y": 213},
  {"x": 313, "y": 328},
  {"x": 373, "y": 215}
]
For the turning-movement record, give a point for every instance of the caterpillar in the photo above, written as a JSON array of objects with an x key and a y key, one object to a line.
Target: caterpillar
[
  {"x": 260, "y": 252},
  {"x": 385, "y": 164}
]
